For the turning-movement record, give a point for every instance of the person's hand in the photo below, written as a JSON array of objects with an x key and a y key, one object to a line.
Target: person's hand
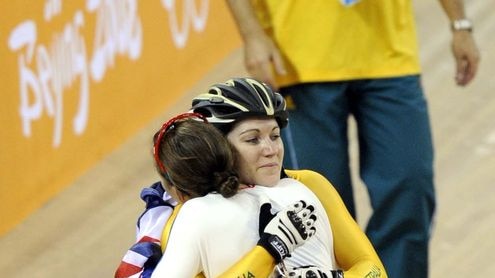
[
  {"x": 261, "y": 57},
  {"x": 282, "y": 232},
  {"x": 313, "y": 272},
  {"x": 466, "y": 56}
]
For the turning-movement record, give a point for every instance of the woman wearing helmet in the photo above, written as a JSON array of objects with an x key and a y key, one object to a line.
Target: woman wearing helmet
[{"x": 251, "y": 115}]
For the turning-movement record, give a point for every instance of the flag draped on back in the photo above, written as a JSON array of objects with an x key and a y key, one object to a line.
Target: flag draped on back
[{"x": 140, "y": 260}]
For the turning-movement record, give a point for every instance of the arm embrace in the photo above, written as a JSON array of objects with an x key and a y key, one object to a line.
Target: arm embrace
[{"x": 353, "y": 251}]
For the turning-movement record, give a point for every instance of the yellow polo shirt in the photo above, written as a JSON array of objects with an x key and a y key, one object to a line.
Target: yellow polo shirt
[{"x": 326, "y": 40}]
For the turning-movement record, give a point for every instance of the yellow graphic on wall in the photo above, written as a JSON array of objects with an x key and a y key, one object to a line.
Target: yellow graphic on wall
[{"x": 79, "y": 77}]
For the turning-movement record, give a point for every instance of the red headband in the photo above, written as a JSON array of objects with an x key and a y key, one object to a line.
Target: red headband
[{"x": 165, "y": 127}]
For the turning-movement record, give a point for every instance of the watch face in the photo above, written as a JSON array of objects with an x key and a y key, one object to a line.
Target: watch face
[{"x": 462, "y": 24}]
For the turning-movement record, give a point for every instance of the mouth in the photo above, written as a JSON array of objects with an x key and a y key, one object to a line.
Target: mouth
[{"x": 269, "y": 165}]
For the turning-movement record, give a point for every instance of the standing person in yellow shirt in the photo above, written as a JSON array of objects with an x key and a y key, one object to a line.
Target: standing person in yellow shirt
[{"x": 332, "y": 59}]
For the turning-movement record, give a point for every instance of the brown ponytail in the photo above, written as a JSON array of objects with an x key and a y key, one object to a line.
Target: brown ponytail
[{"x": 197, "y": 159}]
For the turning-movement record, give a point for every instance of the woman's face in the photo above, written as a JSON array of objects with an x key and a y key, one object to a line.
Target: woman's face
[{"x": 260, "y": 150}]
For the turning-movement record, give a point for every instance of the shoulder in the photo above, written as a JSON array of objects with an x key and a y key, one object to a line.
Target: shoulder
[
  {"x": 202, "y": 205},
  {"x": 316, "y": 182},
  {"x": 203, "y": 209},
  {"x": 308, "y": 177},
  {"x": 194, "y": 218}
]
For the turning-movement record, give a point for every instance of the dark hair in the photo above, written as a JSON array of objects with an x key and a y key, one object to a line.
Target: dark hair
[{"x": 197, "y": 159}]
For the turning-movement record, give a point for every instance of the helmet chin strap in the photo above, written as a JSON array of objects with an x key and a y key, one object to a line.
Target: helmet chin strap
[{"x": 283, "y": 175}]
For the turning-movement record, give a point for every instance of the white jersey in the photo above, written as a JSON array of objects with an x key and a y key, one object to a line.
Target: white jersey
[{"x": 212, "y": 233}]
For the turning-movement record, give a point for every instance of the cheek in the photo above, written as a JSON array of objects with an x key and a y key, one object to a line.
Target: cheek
[
  {"x": 281, "y": 150},
  {"x": 246, "y": 154},
  {"x": 245, "y": 165}
]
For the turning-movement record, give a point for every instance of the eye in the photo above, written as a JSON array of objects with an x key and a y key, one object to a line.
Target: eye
[
  {"x": 253, "y": 140},
  {"x": 275, "y": 136}
]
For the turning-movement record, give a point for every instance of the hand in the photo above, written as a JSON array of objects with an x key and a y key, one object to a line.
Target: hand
[
  {"x": 314, "y": 272},
  {"x": 261, "y": 57},
  {"x": 282, "y": 232},
  {"x": 466, "y": 56}
]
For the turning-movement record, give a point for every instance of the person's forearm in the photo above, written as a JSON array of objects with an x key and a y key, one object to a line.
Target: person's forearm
[
  {"x": 464, "y": 47},
  {"x": 245, "y": 18},
  {"x": 353, "y": 251},
  {"x": 454, "y": 9},
  {"x": 257, "y": 263},
  {"x": 262, "y": 57}
]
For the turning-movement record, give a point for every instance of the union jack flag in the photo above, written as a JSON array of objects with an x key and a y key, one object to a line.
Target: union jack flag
[{"x": 143, "y": 256}]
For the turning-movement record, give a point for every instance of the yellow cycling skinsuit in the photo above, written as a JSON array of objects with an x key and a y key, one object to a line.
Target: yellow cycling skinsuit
[{"x": 353, "y": 251}]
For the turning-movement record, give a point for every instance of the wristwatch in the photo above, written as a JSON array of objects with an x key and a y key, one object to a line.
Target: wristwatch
[{"x": 463, "y": 24}]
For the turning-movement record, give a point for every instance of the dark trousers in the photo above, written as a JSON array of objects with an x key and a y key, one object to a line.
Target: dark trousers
[{"x": 395, "y": 158}]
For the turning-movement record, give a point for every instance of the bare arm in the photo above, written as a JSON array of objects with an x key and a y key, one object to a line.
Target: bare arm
[
  {"x": 261, "y": 55},
  {"x": 464, "y": 47}
]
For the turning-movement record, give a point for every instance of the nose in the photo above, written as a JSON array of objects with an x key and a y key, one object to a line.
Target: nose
[{"x": 269, "y": 147}]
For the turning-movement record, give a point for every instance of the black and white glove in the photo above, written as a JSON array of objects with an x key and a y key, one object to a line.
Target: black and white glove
[
  {"x": 282, "y": 232},
  {"x": 314, "y": 272}
]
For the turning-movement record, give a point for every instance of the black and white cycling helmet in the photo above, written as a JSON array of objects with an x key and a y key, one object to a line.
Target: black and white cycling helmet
[{"x": 240, "y": 98}]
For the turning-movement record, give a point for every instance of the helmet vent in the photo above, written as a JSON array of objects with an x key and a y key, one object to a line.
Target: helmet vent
[{"x": 216, "y": 100}]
